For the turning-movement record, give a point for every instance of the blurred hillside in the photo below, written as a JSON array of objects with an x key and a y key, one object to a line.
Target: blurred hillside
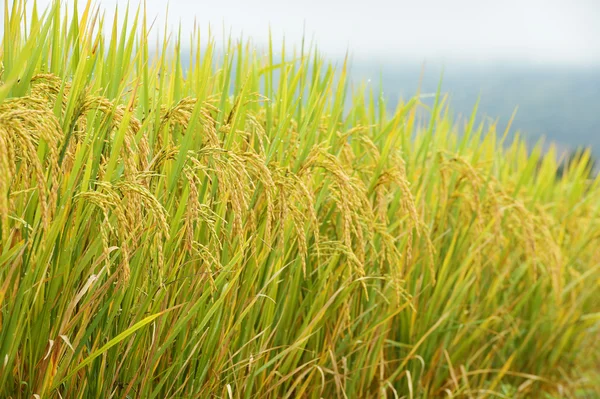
[{"x": 559, "y": 102}]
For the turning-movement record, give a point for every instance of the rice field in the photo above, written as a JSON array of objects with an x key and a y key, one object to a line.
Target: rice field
[{"x": 257, "y": 227}]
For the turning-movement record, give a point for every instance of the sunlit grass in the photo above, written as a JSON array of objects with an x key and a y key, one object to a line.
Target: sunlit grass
[{"x": 169, "y": 234}]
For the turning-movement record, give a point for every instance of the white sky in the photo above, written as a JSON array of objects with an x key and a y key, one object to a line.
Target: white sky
[{"x": 539, "y": 31}]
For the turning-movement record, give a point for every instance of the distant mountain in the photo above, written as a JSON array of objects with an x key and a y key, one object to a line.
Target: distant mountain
[{"x": 561, "y": 103}]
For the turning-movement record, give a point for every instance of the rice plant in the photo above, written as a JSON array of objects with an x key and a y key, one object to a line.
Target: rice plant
[{"x": 255, "y": 227}]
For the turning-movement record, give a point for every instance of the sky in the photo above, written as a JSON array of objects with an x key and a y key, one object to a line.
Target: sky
[{"x": 536, "y": 31}]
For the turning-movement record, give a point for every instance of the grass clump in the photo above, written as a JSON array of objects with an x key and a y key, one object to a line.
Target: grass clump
[{"x": 251, "y": 228}]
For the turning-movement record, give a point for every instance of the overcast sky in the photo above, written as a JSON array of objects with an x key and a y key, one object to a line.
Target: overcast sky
[{"x": 539, "y": 31}]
